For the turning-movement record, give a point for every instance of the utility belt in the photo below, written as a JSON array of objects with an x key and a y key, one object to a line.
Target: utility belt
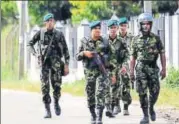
[
  {"x": 150, "y": 63},
  {"x": 92, "y": 65}
]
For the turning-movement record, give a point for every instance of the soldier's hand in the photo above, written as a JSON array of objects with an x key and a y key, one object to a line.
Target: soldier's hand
[
  {"x": 123, "y": 70},
  {"x": 113, "y": 79},
  {"x": 163, "y": 73},
  {"x": 66, "y": 71},
  {"x": 88, "y": 54}
]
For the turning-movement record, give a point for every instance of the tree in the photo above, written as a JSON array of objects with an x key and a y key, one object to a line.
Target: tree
[
  {"x": 91, "y": 10},
  {"x": 102, "y": 10},
  {"x": 165, "y": 7},
  {"x": 127, "y": 8},
  {"x": 80, "y": 11},
  {"x": 60, "y": 9},
  {"x": 8, "y": 12}
]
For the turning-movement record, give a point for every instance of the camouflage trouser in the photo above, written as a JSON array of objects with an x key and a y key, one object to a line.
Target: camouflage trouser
[
  {"x": 125, "y": 89},
  {"x": 51, "y": 73},
  {"x": 115, "y": 91},
  {"x": 147, "y": 78},
  {"x": 102, "y": 91},
  {"x": 91, "y": 76},
  {"x": 121, "y": 90}
]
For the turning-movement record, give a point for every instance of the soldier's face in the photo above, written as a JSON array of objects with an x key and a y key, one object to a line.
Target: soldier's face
[
  {"x": 113, "y": 30},
  {"x": 96, "y": 31},
  {"x": 50, "y": 24},
  {"x": 146, "y": 26},
  {"x": 123, "y": 28}
]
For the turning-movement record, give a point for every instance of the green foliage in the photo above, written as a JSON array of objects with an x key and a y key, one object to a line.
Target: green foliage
[
  {"x": 164, "y": 7},
  {"x": 8, "y": 12},
  {"x": 37, "y": 9},
  {"x": 82, "y": 10},
  {"x": 9, "y": 70},
  {"x": 172, "y": 79},
  {"x": 36, "y": 14},
  {"x": 102, "y": 10},
  {"x": 127, "y": 9}
]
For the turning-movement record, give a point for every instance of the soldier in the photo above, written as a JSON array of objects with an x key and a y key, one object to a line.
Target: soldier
[
  {"x": 51, "y": 48},
  {"x": 125, "y": 79},
  {"x": 97, "y": 85},
  {"x": 123, "y": 31},
  {"x": 122, "y": 54},
  {"x": 146, "y": 47}
]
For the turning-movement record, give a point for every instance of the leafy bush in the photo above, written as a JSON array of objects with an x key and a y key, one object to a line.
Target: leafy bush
[{"x": 172, "y": 79}]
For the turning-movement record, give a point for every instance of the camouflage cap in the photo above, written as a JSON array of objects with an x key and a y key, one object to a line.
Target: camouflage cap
[
  {"x": 123, "y": 20},
  {"x": 94, "y": 24},
  {"x": 112, "y": 22},
  {"x": 48, "y": 16}
]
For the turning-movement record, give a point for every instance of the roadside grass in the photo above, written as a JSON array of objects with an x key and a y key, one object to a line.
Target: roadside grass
[
  {"x": 75, "y": 88},
  {"x": 167, "y": 97},
  {"x": 21, "y": 85}
]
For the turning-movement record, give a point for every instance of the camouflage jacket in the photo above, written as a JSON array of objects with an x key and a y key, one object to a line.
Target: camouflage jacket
[
  {"x": 58, "y": 47},
  {"x": 120, "y": 50},
  {"x": 127, "y": 39},
  {"x": 147, "y": 48},
  {"x": 90, "y": 45}
]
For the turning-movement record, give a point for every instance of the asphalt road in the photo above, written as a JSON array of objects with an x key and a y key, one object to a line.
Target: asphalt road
[{"x": 18, "y": 107}]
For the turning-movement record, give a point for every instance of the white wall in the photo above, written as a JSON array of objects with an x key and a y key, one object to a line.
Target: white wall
[{"x": 175, "y": 41}]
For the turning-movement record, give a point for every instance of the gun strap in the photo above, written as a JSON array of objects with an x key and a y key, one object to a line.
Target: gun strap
[{"x": 42, "y": 34}]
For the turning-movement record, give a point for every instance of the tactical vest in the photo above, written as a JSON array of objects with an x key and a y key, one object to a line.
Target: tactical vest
[{"x": 55, "y": 48}]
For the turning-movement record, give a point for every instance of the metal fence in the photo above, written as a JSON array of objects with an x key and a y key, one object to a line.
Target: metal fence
[{"x": 166, "y": 27}]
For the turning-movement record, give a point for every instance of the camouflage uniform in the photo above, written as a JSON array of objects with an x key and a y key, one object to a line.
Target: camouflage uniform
[
  {"x": 51, "y": 68},
  {"x": 125, "y": 79},
  {"x": 122, "y": 54},
  {"x": 97, "y": 87},
  {"x": 146, "y": 50}
]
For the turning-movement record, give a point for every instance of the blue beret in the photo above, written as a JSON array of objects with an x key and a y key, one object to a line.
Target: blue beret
[
  {"x": 123, "y": 20},
  {"x": 94, "y": 24},
  {"x": 112, "y": 22},
  {"x": 48, "y": 16}
]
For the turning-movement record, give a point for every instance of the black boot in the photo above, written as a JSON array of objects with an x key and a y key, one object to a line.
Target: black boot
[
  {"x": 126, "y": 111},
  {"x": 99, "y": 113},
  {"x": 93, "y": 114},
  {"x": 112, "y": 106},
  {"x": 109, "y": 111},
  {"x": 152, "y": 113},
  {"x": 117, "y": 108},
  {"x": 145, "y": 119},
  {"x": 48, "y": 111},
  {"x": 57, "y": 108}
]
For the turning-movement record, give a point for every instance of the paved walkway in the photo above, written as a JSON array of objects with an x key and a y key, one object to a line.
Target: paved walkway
[{"x": 18, "y": 107}]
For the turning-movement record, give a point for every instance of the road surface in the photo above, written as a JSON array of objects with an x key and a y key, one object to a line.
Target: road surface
[{"x": 19, "y": 107}]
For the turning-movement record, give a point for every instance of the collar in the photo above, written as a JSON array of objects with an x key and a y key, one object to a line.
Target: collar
[
  {"x": 141, "y": 35},
  {"x": 45, "y": 29},
  {"x": 128, "y": 34}
]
